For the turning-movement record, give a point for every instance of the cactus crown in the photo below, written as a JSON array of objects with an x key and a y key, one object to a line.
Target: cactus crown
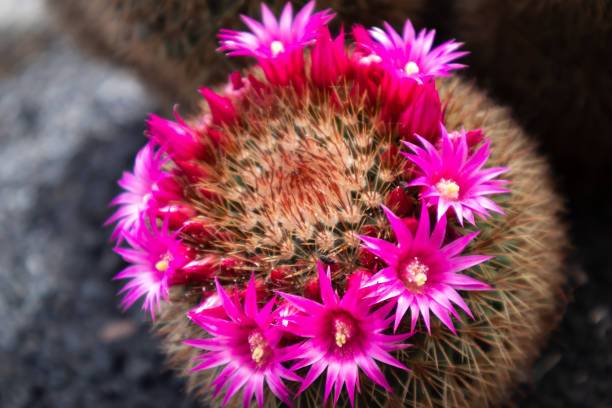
[{"x": 295, "y": 180}]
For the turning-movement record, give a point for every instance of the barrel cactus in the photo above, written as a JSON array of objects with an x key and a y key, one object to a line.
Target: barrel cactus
[
  {"x": 170, "y": 43},
  {"x": 342, "y": 225}
]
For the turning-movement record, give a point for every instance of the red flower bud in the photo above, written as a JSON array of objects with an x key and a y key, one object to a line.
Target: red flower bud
[
  {"x": 423, "y": 116},
  {"x": 278, "y": 276},
  {"x": 398, "y": 202},
  {"x": 221, "y": 108},
  {"x": 177, "y": 214},
  {"x": 390, "y": 157},
  {"x": 412, "y": 224},
  {"x": 200, "y": 269},
  {"x": 312, "y": 290}
]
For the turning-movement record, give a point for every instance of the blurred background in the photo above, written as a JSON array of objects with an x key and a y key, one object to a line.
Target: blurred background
[{"x": 71, "y": 122}]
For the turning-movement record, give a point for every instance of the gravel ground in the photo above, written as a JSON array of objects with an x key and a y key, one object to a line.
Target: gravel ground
[{"x": 69, "y": 126}]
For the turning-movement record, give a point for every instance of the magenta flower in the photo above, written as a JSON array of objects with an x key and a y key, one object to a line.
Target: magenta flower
[
  {"x": 343, "y": 336},
  {"x": 156, "y": 257},
  {"x": 453, "y": 178},
  {"x": 246, "y": 343},
  {"x": 138, "y": 196},
  {"x": 420, "y": 274},
  {"x": 410, "y": 55},
  {"x": 275, "y": 37},
  {"x": 278, "y": 45}
]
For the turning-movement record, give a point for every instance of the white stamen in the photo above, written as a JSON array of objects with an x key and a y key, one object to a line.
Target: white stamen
[
  {"x": 411, "y": 68},
  {"x": 277, "y": 47}
]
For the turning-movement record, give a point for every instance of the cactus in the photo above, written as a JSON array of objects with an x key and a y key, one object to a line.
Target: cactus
[
  {"x": 306, "y": 179},
  {"x": 170, "y": 43},
  {"x": 557, "y": 51}
]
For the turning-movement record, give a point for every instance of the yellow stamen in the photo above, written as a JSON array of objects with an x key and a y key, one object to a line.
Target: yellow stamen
[
  {"x": 258, "y": 345},
  {"x": 448, "y": 189},
  {"x": 416, "y": 272},
  {"x": 420, "y": 279},
  {"x": 162, "y": 265},
  {"x": 411, "y": 68},
  {"x": 343, "y": 332},
  {"x": 257, "y": 354},
  {"x": 277, "y": 47}
]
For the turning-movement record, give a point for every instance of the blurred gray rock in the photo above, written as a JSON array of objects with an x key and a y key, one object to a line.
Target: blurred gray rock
[{"x": 69, "y": 126}]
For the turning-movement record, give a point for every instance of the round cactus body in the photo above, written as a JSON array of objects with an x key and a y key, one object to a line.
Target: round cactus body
[
  {"x": 333, "y": 227},
  {"x": 170, "y": 43}
]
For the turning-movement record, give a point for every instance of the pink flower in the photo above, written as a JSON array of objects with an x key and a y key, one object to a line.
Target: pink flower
[
  {"x": 406, "y": 100},
  {"x": 410, "y": 55},
  {"x": 275, "y": 37},
  {"x": 246, "y": 343},
  {"x": 420, "y": 274},
  {"x": 453, "y": 178},
  {"x": 156, "y": 257},
  {"x": 278, "y": 45},
  {"x": 147, "y": 182},
  {"x": 343, "y": 336}
]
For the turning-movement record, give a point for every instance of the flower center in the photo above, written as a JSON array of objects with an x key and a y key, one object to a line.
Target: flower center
[
  {"x": 411, "y": 68},
  {"x": 277, "y": 47},
  {"x": 260, "y": 349},
  {"x": 343, "y": 331},
  {"x": 164, "y": 263},
  {"x": 448, "y": 189},
  {"x": 415, "y": 272}
]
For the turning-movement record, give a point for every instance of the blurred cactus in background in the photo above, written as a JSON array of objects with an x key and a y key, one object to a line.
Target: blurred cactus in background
[
  {"x": 555, "y": 50},
  {"x": 171, "y": 43},
  {"x": 551, "y": 61},
  {"x": 332, "y": 203}
]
